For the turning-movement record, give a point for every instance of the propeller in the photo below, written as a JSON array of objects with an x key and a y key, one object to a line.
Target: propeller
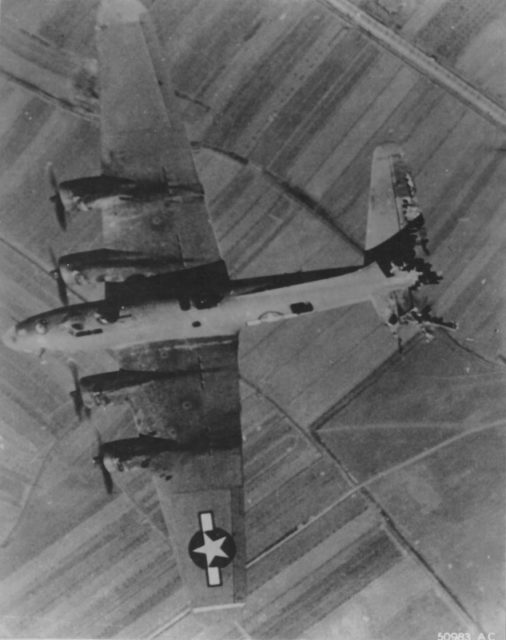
[
  {"x": 61, "y": 214},
  {"x": 99, "y": 460},
  {"x": 82, "y": 411},
  {"x": 60, "y": 282}
]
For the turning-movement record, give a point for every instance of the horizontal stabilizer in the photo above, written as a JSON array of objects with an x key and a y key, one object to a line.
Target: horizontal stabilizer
[{"x": 392, "y": 196}]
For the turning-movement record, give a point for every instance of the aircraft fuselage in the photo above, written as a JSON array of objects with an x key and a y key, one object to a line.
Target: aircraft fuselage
[{"x": 225, "y": 310}]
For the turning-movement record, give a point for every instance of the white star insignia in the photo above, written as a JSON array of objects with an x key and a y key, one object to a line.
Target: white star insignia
[{"x": 211, "y": 548}]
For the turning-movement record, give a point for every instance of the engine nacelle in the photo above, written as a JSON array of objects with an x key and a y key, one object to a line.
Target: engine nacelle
[
  {"x": 94, "y": 193},
  {"x": 114, "y": 386},
  {"x": 110, "y": 265},
  {"x": 97, "y": 193}
]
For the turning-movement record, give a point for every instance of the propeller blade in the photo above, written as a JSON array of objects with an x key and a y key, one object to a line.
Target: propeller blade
[
  {"x": 60, "y": 282},
  {"x": 82, "y": 411},
  {"x": 53, "y": 258},
  {"x": 99, "y": 460},
  {"x": 108, "y": 483},
  {"x": 61, "y": 214},
  {"x": 62, "y": 290}
]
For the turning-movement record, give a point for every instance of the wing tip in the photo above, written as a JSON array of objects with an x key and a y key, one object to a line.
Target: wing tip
[{"x": 119, "y": 12}]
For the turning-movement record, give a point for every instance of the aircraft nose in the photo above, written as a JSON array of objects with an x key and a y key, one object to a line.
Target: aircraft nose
[
  {"x": 18, "y": 339},
  {"x": 10, "y": 338}
]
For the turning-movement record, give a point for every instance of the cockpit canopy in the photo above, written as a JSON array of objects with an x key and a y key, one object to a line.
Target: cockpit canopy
[{"x": 75, "y": 318}]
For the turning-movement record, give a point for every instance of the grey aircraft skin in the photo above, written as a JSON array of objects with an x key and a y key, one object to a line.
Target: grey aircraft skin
[
  {"x": 172, "y": 316},
  {"x": 203, "y": 301},
  {"x": 124, "y": 320}
]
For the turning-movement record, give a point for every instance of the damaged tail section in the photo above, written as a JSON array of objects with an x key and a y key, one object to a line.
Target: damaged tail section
[
  {"x": 393, "y": 205},
  {"x": 396, "y": 239},
  {"x": 401, "y": 309}
]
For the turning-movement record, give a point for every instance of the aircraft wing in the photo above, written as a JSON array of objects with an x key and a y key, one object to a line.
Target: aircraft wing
[
  {"x": 392, "y": 195},
  {"x": 143, "y": 139},
  {"x": 203, "y": 502}
]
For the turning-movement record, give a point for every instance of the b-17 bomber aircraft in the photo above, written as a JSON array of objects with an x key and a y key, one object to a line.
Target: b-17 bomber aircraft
[{"x": 171, "y": 315}]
